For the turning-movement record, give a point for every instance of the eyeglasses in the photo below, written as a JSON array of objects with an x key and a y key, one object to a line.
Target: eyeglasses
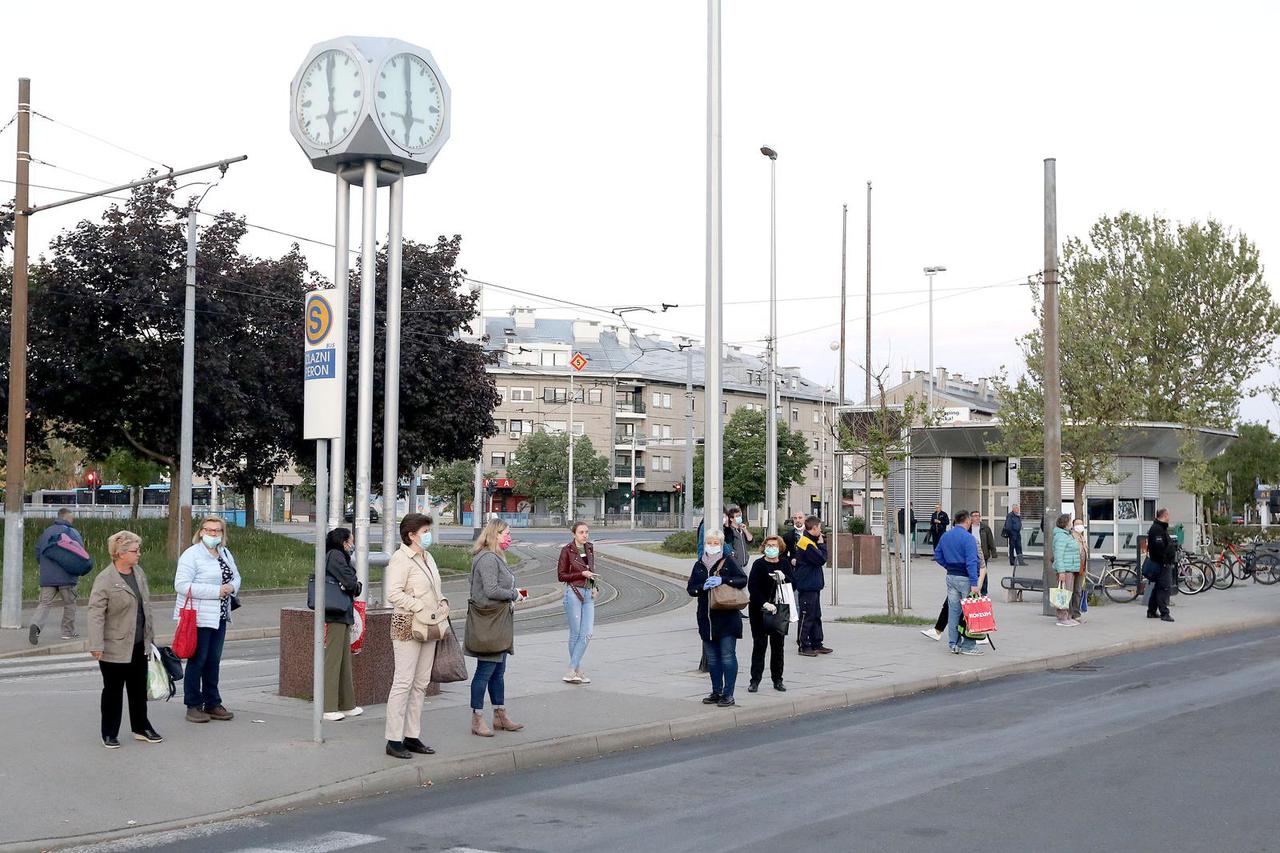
[{"x": 212, "y": 531}]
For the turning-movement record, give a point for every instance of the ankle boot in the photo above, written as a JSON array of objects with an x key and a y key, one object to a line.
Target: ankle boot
[
  {"x": 503, "y": 723},
  {"x": 479, "y": 727}
]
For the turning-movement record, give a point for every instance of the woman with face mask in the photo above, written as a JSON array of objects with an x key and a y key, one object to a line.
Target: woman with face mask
[
  {"x": 576, "y": 570},
  {"x": 492, "y": 581},
  {"x": 1078, "y": 597},
  {"x": 207, "y": 577},
  {"x": 1066, "y": 562},
  {"x": 412, "y": 587},
  {"x": 762, "y": 586},
  {"x": 720, "y": 630},
  {"x": 339, "y": 693}
]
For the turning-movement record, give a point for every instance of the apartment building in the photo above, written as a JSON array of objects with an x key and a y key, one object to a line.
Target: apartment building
[{"x": 632, "y": 401}]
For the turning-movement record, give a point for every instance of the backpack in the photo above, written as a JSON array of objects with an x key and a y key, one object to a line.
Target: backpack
[{"x": 68, "y": 555}]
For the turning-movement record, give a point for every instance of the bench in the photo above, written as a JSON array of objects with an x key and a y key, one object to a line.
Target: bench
[{"x": 1015, "y": 585}]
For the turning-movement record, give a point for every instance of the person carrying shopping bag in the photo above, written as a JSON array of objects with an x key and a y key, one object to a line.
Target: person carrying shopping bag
[{"x": 1066, "y": 562}]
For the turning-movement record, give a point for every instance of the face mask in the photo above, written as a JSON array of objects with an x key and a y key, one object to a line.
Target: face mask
[
  {"x": 424, "y": 540},
  {"x": 799, "y": 526},
  {"x": 771, "y": 552},
  {"x": 211, "y": 541},
  {"x": 713, "y": 550},
  {"x": 1079, "y": 528},
  {"x": 737, "y": 519},
  {"x": 505, "y": 542}
]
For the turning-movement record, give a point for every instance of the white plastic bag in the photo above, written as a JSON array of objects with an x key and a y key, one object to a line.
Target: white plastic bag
[
  {"x": 158, "y": 684},
  {"x": 789, "y": 598}
]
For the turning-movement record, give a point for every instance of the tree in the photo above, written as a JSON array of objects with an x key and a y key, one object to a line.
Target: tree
[
  {"x": 446, "y": 397},
  {"x": 452, "y": 479},
  {"x": 744, "y": 450},
  {"x": 1253, "y": 457},
  {"x": 540, "y": 469},
  {"x": 59, "y": 468},
  {"x": 132, "y": 470}
]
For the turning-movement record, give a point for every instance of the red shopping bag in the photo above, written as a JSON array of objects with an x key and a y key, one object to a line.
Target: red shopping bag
[
  {"x": 185, "y": 638},
  {"x": 978, "y": 615},
  {"x": 357, "y": 630}
]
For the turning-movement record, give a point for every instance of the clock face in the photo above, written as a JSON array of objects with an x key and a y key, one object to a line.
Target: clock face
[
  {"x": 409, "y": 102},
  {"x": 330, "y": 94}
]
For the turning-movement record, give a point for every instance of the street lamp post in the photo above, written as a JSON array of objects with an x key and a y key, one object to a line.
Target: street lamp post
[
  {"x": 771, "y": 420},
  {"x": 931, "y": 272}
]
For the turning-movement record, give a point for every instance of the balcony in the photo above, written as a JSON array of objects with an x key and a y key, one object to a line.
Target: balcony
[
  {"x": 623, "y": 441},
  {"x": 623, "y": 472},
  {"x": 630, "y": 408}
]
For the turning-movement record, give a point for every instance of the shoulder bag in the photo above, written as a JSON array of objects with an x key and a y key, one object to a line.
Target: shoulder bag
[
  {"x": 490, "y": 628},
  {"x": 779, "y": 621},
  {"x": 185, "y": 638},
  {"x": 725, "y": 597},
  {"x": 428, "y": 626},
  {"x": 449, "y": 664}
]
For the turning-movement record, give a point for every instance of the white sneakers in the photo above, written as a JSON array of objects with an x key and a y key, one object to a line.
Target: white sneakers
[
  {"x": 576, "y": 676},
  {"x": 932, "y": 634},
  {"x": 335, "y": 716},
  {"x": 1068, "y": 623}
]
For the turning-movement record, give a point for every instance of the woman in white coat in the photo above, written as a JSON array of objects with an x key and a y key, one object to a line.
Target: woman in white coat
[
  {"x": 207, "y": 574},
  {"x": 412, "y": 587}
]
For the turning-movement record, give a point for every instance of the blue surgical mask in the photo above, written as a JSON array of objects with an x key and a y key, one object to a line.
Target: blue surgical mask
[
  {"x": 771, "y": 552},
  {"x": 211, "y": 541},
  {"x": 424, "y": 540},
  {"x": 713, "y": 550}
]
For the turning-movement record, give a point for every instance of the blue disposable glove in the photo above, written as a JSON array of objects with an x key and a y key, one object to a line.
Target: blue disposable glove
[{"x": 712, "y": 583}]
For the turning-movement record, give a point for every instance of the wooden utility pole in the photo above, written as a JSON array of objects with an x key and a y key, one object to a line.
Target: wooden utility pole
[
  {"x": 16, "y": 455},
  {"x": 1052, "y": 381}
]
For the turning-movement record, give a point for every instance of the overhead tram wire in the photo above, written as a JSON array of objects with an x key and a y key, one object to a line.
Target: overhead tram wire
[{"x": 108, "y": 142}]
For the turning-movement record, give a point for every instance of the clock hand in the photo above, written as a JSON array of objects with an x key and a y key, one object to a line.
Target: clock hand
[
  {"x": 330, "y": 115},
  {"x": 408, "y": 103}
]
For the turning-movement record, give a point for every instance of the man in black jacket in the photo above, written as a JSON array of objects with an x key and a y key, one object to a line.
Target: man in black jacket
[
  {"x": 810, "y": 563},
  {"x": 791, "y": 536},
  {"x": 938, "y": 523},
  {"x": 1162, "y": 551},
  {"x": 905, "y": 534}
]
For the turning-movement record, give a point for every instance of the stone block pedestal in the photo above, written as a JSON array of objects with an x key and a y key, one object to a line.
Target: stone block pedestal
[{"x": 371, "y": 668}]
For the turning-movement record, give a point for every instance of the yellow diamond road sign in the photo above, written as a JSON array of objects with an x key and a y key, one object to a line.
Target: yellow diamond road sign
[{"x": 578, "y": 362}]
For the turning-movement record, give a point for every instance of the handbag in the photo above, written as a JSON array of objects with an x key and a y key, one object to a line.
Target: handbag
[
  {"x": 490, "y": 628},
  {"x": 1060, "y": 597},
  {"x": 185, "y": 638},
  {"x": 1151, "y": 569},
  {"x": 449, "y": 664},
  {"x": 172, "y": 663},
  {"x": 159, "y": 684},
  {"x": 428, "y": 626},
  {"x": 336, "y": 600},
  {"x": 779, "y": 621},
  {"x": 725, "y": 597},
  {"x": 979, "y": 616}
]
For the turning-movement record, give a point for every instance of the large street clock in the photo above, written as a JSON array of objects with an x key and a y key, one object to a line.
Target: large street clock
[{"x": 356, "y": 99}]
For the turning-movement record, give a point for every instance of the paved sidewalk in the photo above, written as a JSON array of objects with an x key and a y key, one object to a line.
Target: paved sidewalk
[{"x": 645, "y": 690}]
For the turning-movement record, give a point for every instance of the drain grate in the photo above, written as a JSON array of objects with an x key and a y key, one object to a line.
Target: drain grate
[{"x": 1082, "y": 667}]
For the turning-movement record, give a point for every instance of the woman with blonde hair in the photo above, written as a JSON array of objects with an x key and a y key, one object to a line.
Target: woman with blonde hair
[
  {"x": 493, "y": 584},
  {"x": 207, "y": 577},
  {"x": 121, "y": 632},
  {"x": 1078, "y": 597}
]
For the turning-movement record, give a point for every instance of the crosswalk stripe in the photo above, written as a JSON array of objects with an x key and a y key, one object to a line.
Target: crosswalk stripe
[
  {"x": 173, "y": 836},
  {"x": 326, "y": 843}
]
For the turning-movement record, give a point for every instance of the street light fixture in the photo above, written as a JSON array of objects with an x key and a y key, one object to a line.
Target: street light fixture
[
  {"x": 931, "y": 272},
  {"x": 771, "y": 421}
]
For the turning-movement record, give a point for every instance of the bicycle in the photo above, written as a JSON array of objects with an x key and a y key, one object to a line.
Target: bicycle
[
  {"x": 1194, "y": 574},
  {"x": 1118, "y": 582}
]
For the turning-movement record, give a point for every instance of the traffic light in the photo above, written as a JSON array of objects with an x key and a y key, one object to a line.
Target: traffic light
[
  {"x": 92, "y": 479},
  {"x": 626, "y": 493},
  {"x": 679, "y": 487}
]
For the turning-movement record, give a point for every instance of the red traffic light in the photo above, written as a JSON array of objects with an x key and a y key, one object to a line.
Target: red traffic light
[
  {"x": 679, "y": 487},
  {"x": 92, "y": 478}
]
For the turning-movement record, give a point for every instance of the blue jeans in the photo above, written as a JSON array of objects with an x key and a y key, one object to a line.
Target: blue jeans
[
  {"x": 489, "y": 675},
  {"x": 957, "y": 588},
  {"x": 722, "y": 661},
  {"x": 200, "y": 681},
  {"x": 581, "y": 616}
]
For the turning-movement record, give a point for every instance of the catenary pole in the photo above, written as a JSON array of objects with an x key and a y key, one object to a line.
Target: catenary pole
[
  {"x": 342, "y": 312},
  {"x": 712, "y": 489},
  {"x": 186, "y": 440},
  {"x": 689, "y": 446},
  {"x": 1052, "y": 382},
  {"x": 15, "y": 473},
  {"x": 866, "y": 400},
  {"x": 771, "y": 419},
  {"x": 391, "y": 393},
  {"x": 570, "y": 509}
]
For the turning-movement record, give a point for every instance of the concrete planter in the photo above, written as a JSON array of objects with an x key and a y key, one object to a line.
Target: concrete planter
[{"x": 862, "y": 552}]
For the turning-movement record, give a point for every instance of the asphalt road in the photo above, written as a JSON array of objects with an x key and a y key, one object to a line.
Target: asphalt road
[
  {"x": 454, "y": 535},
  {"x": 1168, "y": 750}
]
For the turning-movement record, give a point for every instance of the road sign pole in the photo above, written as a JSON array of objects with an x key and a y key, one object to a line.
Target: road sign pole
[
  {"x": 570, "y": 510},
  {"x": 364, "y": 402},
  {"x": 342, "y": 311},
  {"x": 317, "y": 656}
]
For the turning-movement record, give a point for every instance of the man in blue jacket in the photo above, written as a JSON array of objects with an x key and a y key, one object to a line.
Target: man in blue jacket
[
  {"x": 957, "y": 552},
  {"x": 1013, "y": 532},
  {"x": 56, "y": 581},
  {"x": 809, "y": 561}
]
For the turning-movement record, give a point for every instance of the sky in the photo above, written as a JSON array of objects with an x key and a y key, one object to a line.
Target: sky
[{"x": 576, "y": 168}]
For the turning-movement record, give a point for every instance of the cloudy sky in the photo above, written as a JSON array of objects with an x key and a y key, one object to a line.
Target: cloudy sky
[{"x": 576, "y": 167}]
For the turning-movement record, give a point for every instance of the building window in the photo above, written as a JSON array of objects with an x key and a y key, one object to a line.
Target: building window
[
  {"x": 554, "y": 358},
  {"x": 555, "y": 395},
  {"x": 817, "y": 417},
  {"x": 555, "y": 427},
  {"x": 502, "y": 395},
  {"x": 522, "y": 395},
  {"x": 577, "y": 428},
  {"x": 724, "y": 408},
  {"x": 519, "y": 427},
  {"x": 578, "y": 395},
  {"x": 595, "y": 396},
  {"x": 500, "y": 424},
  {"x": 657, "y": 400},
  {"x": 815, "y": 473},
  {"x": 666, "y": 401},
  {"x": 795, "y": 416},
  {"x": 666, "y": 431},
  {"x": 666, "y": 463},
  {"x": 817, "y": 444},
  {"x": 498, "y": 460}
]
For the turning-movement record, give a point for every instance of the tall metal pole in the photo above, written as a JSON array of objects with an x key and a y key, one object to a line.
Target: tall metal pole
[
  {"x": 690, "y": 447},
  {"x": 822, "y": 460},
  {"x": 186, "y": 442},
  {"x": 771, "y": 420},
  {"x": 931, "y": 272},
  {"x": 633, "y": 481},
  {"x": 15, "y": 469},
  {"x": 317, "y": 654},
  {"x": 1052, "y": 383},
  {"x": 391, "y": 393},
  {"x": 477, "y": 496},
  {"x": 342, "y": 281},
  {"x": 712, "y": 469},
  {"x": 364, "y": 400},
  {"x": 570, "y": 510},
  {"x": 844, "y": 258},
  {"x": 866, "y": 400}
]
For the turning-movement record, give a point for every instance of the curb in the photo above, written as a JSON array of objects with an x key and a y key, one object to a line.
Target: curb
[
  {"x": 633, "y": 564},
  {"x": 562, "y": 750},
  {"x": 161, "y": 640}
]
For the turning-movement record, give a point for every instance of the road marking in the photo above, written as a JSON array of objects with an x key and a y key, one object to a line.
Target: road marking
[
  {"x": 325, "y": 843},
  {"x": 173, "y": 836}
]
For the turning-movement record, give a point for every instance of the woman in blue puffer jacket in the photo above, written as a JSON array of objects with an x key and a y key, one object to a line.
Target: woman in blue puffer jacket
[{"x": 1066, "y": 562}]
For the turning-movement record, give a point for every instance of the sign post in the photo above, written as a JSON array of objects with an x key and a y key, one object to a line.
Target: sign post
[
  {"x": 578, "y": 363},
  {"x": 322, "y": 390}
]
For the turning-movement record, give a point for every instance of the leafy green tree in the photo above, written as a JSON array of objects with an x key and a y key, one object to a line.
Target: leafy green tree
[
  {"x": 744, "y": 450},
  {"x": 541, "y": 469},
  {"x": 1254, "y": 456},
  {"x": 130, "y": 469},
  {"x": 454, "y": 480}
]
